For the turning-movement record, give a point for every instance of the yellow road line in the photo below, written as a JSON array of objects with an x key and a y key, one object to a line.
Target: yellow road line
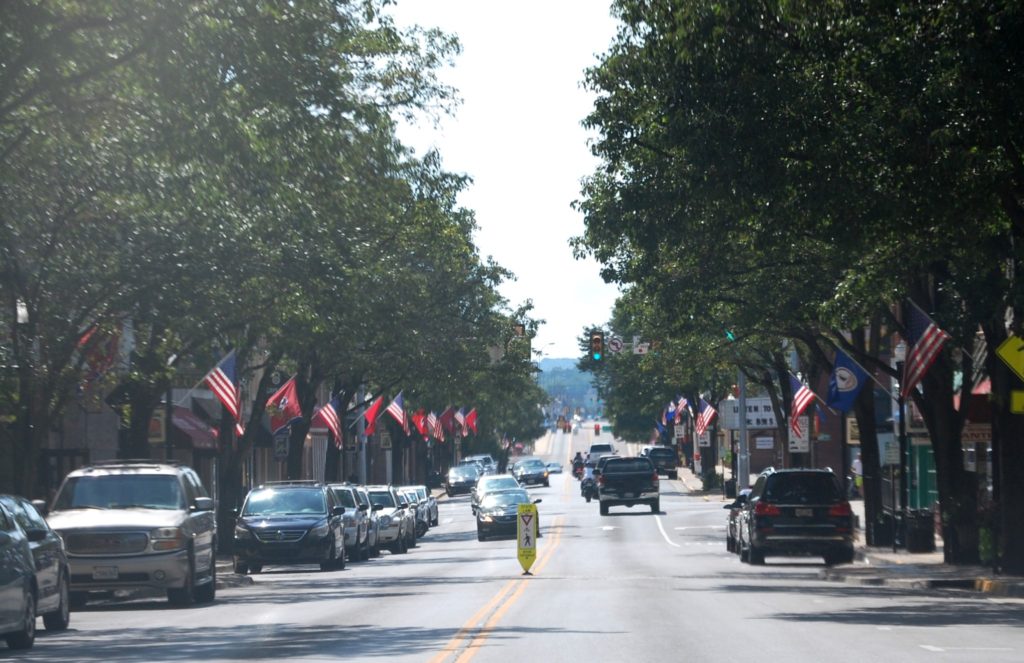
[
  {"x": 485, "y": 631},
  {"x": 453, "y": 644}
]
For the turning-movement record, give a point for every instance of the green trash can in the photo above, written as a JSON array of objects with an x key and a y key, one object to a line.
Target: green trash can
[{"x": 920, "y": 531}]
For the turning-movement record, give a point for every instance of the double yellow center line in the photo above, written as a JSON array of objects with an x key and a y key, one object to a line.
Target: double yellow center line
[{"x": 478, "y": 628}]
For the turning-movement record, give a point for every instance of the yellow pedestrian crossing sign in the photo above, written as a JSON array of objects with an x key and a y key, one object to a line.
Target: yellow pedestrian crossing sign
[{"x": 526, "y": 536}]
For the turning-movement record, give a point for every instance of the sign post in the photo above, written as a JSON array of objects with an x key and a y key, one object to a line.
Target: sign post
[{"x": 526, "y": 536}]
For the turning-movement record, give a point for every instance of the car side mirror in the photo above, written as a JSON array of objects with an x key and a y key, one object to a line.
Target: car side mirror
[
  {"x": 364, "y": 507},
  {"x": 538, "y": 501},
  {"x": 35, "y": 534},
  {"x": 202, "y": 504},
  {"x": 730, "y": 506},
  {"x": 337, "y": 511},
  {"x": 41, "y": 507}
]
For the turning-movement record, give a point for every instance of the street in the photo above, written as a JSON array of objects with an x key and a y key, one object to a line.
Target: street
[{"x": 628, "y": 587}]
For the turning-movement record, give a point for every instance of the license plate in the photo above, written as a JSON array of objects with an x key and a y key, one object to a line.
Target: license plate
[
  {"x": 628, "y": 494},
  {"x": 804, "y": 513},
  {"x": 104, "y": 573}
]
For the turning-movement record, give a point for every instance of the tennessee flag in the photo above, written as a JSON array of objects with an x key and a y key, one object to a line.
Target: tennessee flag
[{"x": 284, "y": 406}]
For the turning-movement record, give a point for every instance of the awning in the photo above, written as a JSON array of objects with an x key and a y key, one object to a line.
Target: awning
[{"x": 189, "y": 430}]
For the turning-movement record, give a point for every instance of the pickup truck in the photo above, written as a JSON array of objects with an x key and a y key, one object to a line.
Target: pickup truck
[{"x": 628, "y": 481}]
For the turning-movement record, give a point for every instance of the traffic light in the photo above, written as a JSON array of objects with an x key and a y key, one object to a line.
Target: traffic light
[{"x": 596, "y": 344}]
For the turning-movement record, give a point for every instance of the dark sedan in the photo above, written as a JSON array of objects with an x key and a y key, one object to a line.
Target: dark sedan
[
  {"x": 531, "y": 471},
  {"x": 52, "y": 573},
  {"x": 498, "y": 512},
  {"x": 462, "y": 479},
  {"x": 17, "y": 598},
  {"x": 298, "y": 523}
]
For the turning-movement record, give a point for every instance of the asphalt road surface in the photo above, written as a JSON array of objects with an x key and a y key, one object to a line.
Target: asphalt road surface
[{"x": 631, "y": 586}]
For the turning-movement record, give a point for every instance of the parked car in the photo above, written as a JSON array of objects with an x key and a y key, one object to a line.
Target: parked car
[
  {"x": 416, "y": 525},
  {"x": 356, "y": 521},
  {"x": 373, "y": 524},
  {"x": 531, "y": 471},
  {"x": 392, "y": 518},
  {"x": 53, "y": 577},
  {"x": 17, "y": 584},
  {"x": 554, "y": 468},
  {"x": 428, "y": 503},
  {"x": 498, "y": 512},
  {"x": 490, "y": 484},
  {"x": 796, "y": 512},
  {"x": 128, "y": 524},
  {"x": 462, "y": 479},
  {"x": 733, "y": 521},
  {"x": 288, "y": 522}
]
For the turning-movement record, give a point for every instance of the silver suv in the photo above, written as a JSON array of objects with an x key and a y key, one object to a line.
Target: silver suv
[
  {"x": 137, "y": 524},
  {"x": 356, "y": 520}
]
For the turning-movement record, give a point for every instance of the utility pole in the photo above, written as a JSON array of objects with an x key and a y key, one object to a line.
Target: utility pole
[{"x": 743, "y": 464}]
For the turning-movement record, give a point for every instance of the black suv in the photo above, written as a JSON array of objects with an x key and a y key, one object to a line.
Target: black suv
[
  {"x": 796, "y": 512},
  {"x": 665, "y": 460},
  {"x": 290, "y": 523}
]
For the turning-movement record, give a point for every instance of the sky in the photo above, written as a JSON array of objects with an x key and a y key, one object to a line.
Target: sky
[{"x": 517, "y": 134}]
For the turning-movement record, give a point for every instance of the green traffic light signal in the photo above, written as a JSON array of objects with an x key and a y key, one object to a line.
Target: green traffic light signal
[{"x": 596, "y": 345}]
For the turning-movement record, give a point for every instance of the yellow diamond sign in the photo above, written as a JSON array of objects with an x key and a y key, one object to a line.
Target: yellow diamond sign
[{"x": 1011, "y": 351}]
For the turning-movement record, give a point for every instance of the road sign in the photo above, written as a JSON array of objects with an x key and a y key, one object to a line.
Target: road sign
[
  {"x": 800, "y": 444},
  {"x": 615, "y": 344},
  {"x": 526, "y": 536},
  {"x": 1017, "y": 401},
  {"x": 281, "y": 443},
  {"x": 1011, "y": 351}
]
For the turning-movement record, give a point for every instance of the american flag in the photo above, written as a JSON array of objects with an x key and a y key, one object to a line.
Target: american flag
[
  {"x": 434, "y": 426},
  {"x": 802, "y": 397},
  {"x": 705, "y": 417},
  {"x": 397, "y": 410},
  {"x": 925, "y": 340},
  {"x": 329, "y": 415},
  {"x": 222, "y": 381},
  {"x": 684, "y": 404},
  {"x": 460, "y": 419}
]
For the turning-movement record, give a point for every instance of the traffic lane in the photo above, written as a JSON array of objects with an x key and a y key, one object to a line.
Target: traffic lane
[
  {"x": 402, "y": 607},
  {"x": 617, "y": 588}
]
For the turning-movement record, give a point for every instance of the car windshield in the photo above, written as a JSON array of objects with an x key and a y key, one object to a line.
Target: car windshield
[
  {"x": 345, "y": 497},
  {"x": 292, "y": 501},
  {"x": 498, "y": 483},
  {"x": 816, "y": 488},
  {"x": 121, "y": 491},
  {"x": 383, "y": 498},
  {"x": 421, "y": 493},
  {"x": 662, "y": 453},
  {"x": 464, "y": 472},
  {"x": 533, "y": 465},
  {"x": 505, "y": 498},
  {"x": 627, "y": 465}
]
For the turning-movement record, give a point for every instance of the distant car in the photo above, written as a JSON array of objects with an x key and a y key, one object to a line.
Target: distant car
[
  {"x": 415, "y": 526},
  {"x": 796, "y": 512},
  {"x": 498, "y": 512},
  {"x": 53, "y": 577},
  {"x": 486, "y": 460},
  {"x": 373, "y": 524},
  {"x": 733, "y": 521},
  {"x": 128, "y": 524},
  {"x": 598, "y": 449},
  {"x": 290, "y": 523},
  {"x": 357, "y": 522},
  {"x": 17, "y": 580},
  {"x": 531, "y": 471},
  {"x": 428, "y": 503},
  {"x": 554, "y": 468},
  {"x": 491, "y": 484},
  {"x": 461, "y": 479},
  {"x": 665, "y": 460}
]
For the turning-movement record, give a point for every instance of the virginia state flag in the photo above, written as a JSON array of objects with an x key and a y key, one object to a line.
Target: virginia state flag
[
  {"x": 848, "y": 378},
  {"x": 284, "y": 406}
]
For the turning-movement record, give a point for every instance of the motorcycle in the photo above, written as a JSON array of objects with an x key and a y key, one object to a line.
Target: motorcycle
[
  {"x": 588, "y": 489},
  {"x": 577, "y": 471}
]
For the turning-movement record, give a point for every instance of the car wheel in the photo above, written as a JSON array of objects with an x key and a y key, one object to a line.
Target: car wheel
[
  {"x": 480, "y": 535},
  {"x": 435, "y": 522},
  {"x": 240, "y": 567},
  {"x": 728, "y": 544},
  {"x": 25, "y": 636},
  {"x": 588, "y": 498},
  {"x": 604, "y": 509},
  {"x": 656, "y": 506},
  {"x": 208, "y": 592},
  {"x": 421, "y": 528},
  {"x": 673, "y": 475},
  {"x": 755, "y": 556},
  {"x": 448, "y": 493},
  {"x": 403, "y": 546},
  {"x": 339, "y": 562},
  {"x": 58, "y": 619},
  {"x": 185, "y": 595},
  {"x": 547, "y": 484},
  {"x": 744, "y": 553},
  {"x": 363, "y": 553}
]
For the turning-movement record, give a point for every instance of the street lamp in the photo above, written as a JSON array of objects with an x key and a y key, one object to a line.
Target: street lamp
[{"x": 900, "y": 355}]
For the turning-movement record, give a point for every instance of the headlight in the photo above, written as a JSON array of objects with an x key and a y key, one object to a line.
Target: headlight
[
  {"x": 487, "y": 518},
  {"x": 168, "y": 538},
  {"x": 320, "y": 530},
  {"x": 384, "y": 521},
  {"x": 242, "y": 532}
]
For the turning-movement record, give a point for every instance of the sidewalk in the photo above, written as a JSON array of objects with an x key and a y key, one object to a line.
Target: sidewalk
[{"x": 877, "y": 566}]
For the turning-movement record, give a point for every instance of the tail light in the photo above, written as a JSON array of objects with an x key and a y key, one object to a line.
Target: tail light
[
  {"x": 840, "y": 510},
  {"x": 655, "y": 478},
  {"x": 600, "y": 480},
  {"x": 765, "y": 509}
]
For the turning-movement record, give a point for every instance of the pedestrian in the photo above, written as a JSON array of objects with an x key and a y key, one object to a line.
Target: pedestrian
[{"x": 857, "y": 467}]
